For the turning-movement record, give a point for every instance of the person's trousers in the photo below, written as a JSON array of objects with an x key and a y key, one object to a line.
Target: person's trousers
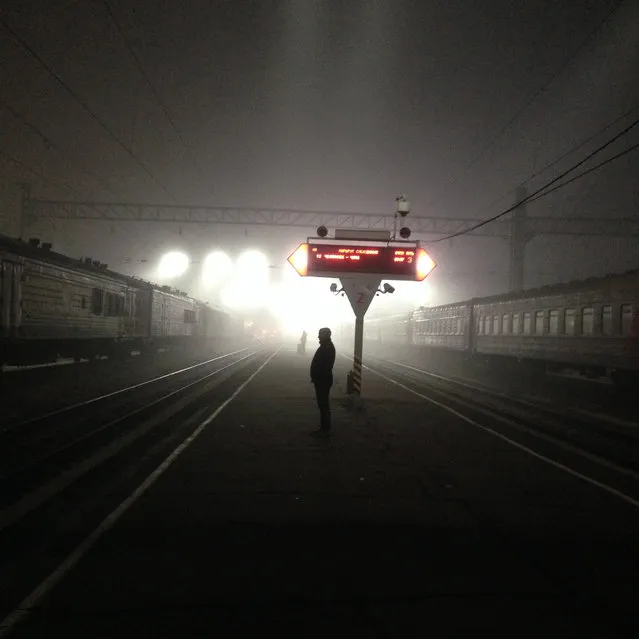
[{"x": 322, "y": 391}]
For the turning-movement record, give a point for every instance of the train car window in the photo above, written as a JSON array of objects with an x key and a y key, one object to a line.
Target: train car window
[
  {"x": 516, "y": 323},
  {"x": 626, "y": 318},
  {"x": 570, "y": 321},
  {"x": 586, "y": 320},
  {"x": 97, "y": 301},
  {"x": 189, "y": 316},
  {"x": 496, "y": 327},
  {"x": 527, "y": 323},
  {"x": 489, "y": 324},
  {"x": 553, "y": 324},
  {"x": 606, "y": 320},
  {"x": 539, "y": 322},
  {"x": 505, "y": 324}
]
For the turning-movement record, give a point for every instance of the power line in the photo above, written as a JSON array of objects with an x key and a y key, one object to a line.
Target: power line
[
  {"x": 536, "y": 194},
  {"x": 85, "y": 106},
  {"x": 52, "y": 145},
  {"x": 584, "y": 173},
  {"x": 564, "y": 155},
  {"x": 152, "y": 88},
  {"x": 35, "y": 172},
  {"x": 581, "y": 144},
  {"x": 534, "y": 97}
]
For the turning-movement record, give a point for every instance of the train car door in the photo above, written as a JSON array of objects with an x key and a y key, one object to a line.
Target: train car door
[{"x": 10, "y": 298}]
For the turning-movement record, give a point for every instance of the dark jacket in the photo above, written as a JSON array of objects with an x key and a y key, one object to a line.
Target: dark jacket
[{"x": 322, "y": 364}]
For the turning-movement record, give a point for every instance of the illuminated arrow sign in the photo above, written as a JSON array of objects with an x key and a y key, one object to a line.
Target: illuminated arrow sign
[{"x": 404, "y": 262}]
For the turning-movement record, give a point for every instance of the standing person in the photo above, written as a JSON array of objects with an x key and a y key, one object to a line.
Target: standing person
[
  {"x": 322, "y": 377},
  {"x": 303, "y": 341}
]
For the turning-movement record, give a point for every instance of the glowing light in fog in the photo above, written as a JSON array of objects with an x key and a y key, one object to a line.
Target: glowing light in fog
[
  {"x": 217, "y": 266},
  {"x": 252, "y": 266},
  {"x": 248, "y": 286},
  {"x": 173, "y": 264},
  {"x": 299, "y": 259},
  {"x": 425, "y": 264},
  {"x": 306, "y": 303}
]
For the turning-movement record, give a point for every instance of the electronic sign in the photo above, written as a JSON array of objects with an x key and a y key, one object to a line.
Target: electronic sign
[{"x": 408, "y": 262}]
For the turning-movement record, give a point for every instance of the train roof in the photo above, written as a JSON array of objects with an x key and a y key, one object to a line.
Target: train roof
[
  {"x": 43, "y": 251},
  {"x": 562, "y": 288}
]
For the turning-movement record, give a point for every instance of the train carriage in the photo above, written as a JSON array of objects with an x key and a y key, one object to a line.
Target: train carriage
[
  {"x": 448, "y": 327},
  {"x": 585, "y": 324},
  {"x": 590, "y": 325},
  {"x": 54, "y": 306}
]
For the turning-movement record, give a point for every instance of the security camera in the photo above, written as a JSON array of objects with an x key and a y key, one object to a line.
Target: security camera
[
  {"x": 388, "y": 288},
  {"x": 322, "y": 231},
  {"x": 402, "y": 206},
  {"x": 405, "y": 232}
]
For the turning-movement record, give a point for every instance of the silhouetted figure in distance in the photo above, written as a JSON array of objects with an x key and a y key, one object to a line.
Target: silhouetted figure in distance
[
  {"x": 322, "y": 377},
  {"x": 303, "y": 342}
]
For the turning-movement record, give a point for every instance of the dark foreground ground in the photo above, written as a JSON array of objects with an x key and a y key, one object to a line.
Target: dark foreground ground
[{"x": 407, "y": 522}]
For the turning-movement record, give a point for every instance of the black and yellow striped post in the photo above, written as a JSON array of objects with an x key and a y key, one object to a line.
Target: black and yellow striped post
[{"x": 357, "y": 375}]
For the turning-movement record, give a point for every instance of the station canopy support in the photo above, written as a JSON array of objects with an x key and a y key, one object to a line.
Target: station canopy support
[{"x": 361, "y": 259}]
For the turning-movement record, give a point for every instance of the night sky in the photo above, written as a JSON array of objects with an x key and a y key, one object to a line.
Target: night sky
[{"x": 339, "y": 105}]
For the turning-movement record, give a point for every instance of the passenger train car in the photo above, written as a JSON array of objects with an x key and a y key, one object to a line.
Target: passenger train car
[
  {"x": 590, "y": 325},
  {"x": 53, "y": 306}
]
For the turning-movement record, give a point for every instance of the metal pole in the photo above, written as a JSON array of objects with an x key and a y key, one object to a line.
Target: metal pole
[
  {"x": 518, "y": 239},
  {"x": 25, "y": 196},
  {"x": 360, "y": 292}
]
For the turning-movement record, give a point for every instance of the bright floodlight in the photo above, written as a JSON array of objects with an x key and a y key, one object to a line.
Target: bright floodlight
[
  {"x": 253, "y": 266},
  {"x": 173, "y": 264},
  {"x": 216, "y": 267}
]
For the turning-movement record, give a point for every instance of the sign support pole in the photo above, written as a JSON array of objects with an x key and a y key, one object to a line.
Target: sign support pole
[{"x": 360, "y": 292}]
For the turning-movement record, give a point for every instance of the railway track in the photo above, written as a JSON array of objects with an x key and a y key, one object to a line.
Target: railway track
[
  {"x": 43, "y": 455},
  {"x": 612, "y": 445},
  {"x": 63, "y": 472}
]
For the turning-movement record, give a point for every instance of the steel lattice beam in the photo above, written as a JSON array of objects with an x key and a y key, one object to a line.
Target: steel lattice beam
[{"x": 117, "y": 212}]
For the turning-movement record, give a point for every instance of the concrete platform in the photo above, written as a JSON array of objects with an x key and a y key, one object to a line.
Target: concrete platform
[{"x": 407, "y": 522}]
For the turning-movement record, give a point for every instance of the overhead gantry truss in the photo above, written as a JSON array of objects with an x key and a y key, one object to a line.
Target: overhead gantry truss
[{"x": 34, "y": 209}]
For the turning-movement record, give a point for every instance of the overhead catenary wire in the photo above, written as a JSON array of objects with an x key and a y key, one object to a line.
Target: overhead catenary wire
[
  {"x": 534, "y": 97},
  {"x": 151, "y": 86},
  {"x": 586, "y": 172},
  {"x": 563, "y": 156},
  {"x": 25, "y": 45},
  {"x": 50, "y": 144},
  {"x": 537, "y": 194}
]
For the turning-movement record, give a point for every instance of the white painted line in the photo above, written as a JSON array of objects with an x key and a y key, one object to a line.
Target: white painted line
[
  {"x": 549, "y": 438},
  {"x": 531, "y": 401},
  {"x": 40, "y": 495},
  {"x": 18, "y": 615},
  {"x": 570, "y": 471}
]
